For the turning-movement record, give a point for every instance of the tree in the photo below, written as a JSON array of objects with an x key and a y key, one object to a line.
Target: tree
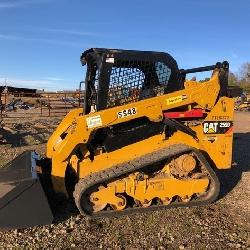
[
  {"x": 205, "y": 80},
  {"x": 244, "y": 73},
  {"x": 232, "y": 79},
  {"x": 244, "y": 76}
]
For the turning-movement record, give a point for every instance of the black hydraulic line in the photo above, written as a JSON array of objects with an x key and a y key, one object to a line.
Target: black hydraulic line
[
  {"x": 175, "y": 125},
  {"x": 218, "y": 65},
  {"x": 200, "y": 69}
]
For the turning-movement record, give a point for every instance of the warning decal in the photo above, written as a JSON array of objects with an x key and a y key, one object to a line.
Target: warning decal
[
  {"x": 110, "y": 60},
  {"x": 176, "y": 99},
  {"x": 218, "y": 127},
  {"x": 94, "y": 121}
]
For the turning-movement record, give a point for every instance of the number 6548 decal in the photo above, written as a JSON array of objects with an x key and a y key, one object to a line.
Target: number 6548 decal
[{"x": 126, "y": 112}]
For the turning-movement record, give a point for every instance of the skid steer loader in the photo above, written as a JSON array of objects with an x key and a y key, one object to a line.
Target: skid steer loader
[{"x": 145, "y": 139}]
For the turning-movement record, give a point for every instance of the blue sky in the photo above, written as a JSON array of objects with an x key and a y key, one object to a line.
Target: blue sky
[{"x": 41, "y": 40}]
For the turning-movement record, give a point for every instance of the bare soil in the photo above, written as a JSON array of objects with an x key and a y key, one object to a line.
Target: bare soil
[{"x": 224, "y": 224}]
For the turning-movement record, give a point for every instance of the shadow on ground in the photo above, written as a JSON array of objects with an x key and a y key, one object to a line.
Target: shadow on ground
[
  {"x": 21, "y": 139},
  {"x": 229, "y": 178}
]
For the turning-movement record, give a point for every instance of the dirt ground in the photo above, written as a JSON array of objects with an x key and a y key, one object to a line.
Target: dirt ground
[{"x": 224, "y": 224}]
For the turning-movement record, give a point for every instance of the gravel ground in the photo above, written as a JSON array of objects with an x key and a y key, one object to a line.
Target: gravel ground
[{"x": 224, "y": 224}]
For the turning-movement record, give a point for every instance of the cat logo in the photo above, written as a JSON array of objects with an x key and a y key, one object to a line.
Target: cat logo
[
  {"x": 218, "y": 127},
  {"x": 210, "y": 127}
]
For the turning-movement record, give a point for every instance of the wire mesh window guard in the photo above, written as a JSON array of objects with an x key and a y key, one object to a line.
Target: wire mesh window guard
[{"x": 135, "y": 80}]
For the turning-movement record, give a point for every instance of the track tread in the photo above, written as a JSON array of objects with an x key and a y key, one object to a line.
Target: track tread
[{"x": 127, "y": 167}]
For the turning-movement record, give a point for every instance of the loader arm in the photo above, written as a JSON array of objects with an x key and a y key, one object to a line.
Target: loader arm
[
  {"x": 152, "y": 108},
  {"x": 194, "y": 93}
]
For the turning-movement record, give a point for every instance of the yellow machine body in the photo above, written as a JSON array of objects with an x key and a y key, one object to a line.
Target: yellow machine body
[
  {"x": 190, "y": 132},
  {"x": 77, "y": 130}
]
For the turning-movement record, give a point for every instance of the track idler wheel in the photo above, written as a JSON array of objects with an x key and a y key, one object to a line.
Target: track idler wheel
[
  {"x": 166, "y": 201},
  {"x": 185, "y": 198},
  {"x": 144, "y": 203},
  {"x": 120, "y": 204},
  {"x": 183, "y": 165},
  {"x": 97, "y": 206}
]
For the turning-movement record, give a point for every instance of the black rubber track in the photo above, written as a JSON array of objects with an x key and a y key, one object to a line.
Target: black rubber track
[{"x": 112, "y": 173}]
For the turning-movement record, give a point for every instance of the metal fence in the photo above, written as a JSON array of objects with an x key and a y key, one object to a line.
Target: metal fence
[{"x": 45, "y": 104}]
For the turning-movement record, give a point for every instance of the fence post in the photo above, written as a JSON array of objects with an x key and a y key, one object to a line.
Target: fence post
[
  {"x": 41, "y": 105},
  {"x": 65, "y": 103},
  {"x": 80, "y": 90},
  {"x": 49, "y": 104},
  {"x": 79, "y": 101},
  {"x": 1, "y": 106},
  {"x": 5, "y": 103}
]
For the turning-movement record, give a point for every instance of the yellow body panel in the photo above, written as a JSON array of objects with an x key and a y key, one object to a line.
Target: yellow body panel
[{"x": 76, "y": 129}]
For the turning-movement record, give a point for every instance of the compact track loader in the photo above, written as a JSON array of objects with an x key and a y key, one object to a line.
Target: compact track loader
[{"x": 145, "y": 139}]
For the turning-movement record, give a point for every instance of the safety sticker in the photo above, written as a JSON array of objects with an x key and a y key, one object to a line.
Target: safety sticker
[
  {"x": 218, "y": 127},
  {"x": 110, "y": 59},
  {"x": 176, "y": 99},
  {"x": 94, "y": 121}
]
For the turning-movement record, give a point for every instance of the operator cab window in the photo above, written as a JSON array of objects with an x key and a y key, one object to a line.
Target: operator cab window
[
  {"x": 125, "y": 85},
  {"x": 163, "y": 73},
  {"x": 92, "y": 80},
  {"x": 131, "y": 81}
]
